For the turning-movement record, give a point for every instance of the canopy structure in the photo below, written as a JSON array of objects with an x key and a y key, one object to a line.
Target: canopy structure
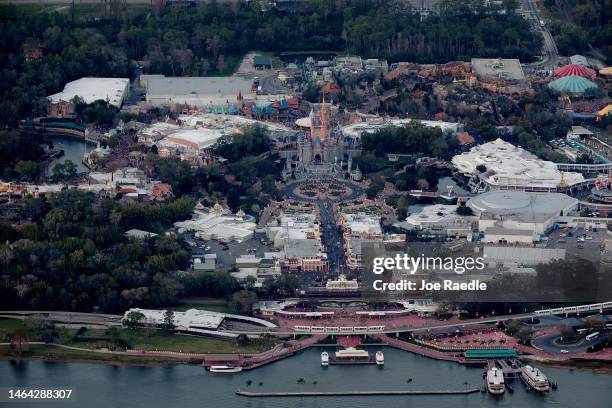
[
  {"x": 574, "y": 69},
  {"x": 606, "y": 71},
  {"x": 572, "y": 84},
  {"x": 605, "y": 111}
]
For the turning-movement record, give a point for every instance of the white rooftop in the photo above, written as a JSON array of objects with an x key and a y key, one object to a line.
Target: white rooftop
[
  {"x": 195, "y": 319},
  {"x": 139, "y": 234},
  {"x": 522, "y": 255},
  {"x": 433, "y": 214},
  {"x": 519, "y": 205},
  {"x": 221, "y": 86},
  {"x": 215, "y": 225},
  {"x": 128, "y": 175},
  {"x": 363, "y": 223},
  {"x": 93, "y": 89},
  {"x": 201, "y": 138},
  {"x": 507, "y": 164},
  {"x": 182, "y": 320}
]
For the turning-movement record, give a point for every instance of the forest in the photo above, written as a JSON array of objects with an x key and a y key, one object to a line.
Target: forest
[
  {"x": 581, "y": 25},
  {"x": 72, "y": 254},
  {"x": 40, "y": 52}
]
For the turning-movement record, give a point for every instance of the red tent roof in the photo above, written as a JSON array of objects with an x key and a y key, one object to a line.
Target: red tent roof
[{"x": 574, "y": 69}]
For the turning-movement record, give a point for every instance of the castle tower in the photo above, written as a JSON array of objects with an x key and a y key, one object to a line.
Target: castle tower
[
  {"x": 320, "y": 122},
  {"x": 324, "y": 118},
  {"x": 240, "y": 100}
]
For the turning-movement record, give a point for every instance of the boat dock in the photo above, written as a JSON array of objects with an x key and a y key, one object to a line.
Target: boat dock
[
  {"x": 355, "y": 393},
  {"x": 336, "y": 361},
  {"x": 510, "y": 370}
]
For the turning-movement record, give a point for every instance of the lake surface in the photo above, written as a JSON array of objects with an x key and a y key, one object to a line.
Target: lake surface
[
  {"x": 74, "y": 149},
  {"x": 191, "y": 386}
]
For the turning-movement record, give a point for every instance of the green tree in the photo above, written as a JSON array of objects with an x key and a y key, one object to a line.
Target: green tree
[
  {"x": 134, "y": 319},
  {"x": 243, "y": 301},
  {"x": 27, "y": 170},
  {"x": 168, "y": 324},
  {"x": 464, "y": 210}
]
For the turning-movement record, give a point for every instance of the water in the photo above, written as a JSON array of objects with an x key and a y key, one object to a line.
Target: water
[
  {"x": 190, "y": 386},
  {"x": 74, "y": 149}
]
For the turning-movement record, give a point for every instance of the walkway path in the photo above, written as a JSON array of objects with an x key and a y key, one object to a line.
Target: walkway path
[{"x": 422, "y": 351}]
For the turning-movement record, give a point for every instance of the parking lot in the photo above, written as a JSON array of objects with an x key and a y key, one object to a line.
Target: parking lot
[
  {"x": 575, "y": 242},
  {"x": 226, "y": 258}
]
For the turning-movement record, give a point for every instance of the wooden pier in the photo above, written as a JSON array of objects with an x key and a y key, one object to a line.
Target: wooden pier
[{"x": 355, "y": 393}]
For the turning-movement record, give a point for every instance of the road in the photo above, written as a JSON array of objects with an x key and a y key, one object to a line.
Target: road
[
  {"x": 92, "y": 320},
  {"x": 551, "y": 53},
  {"x": 547, "y": 343},
  {"x": 113, "y": 320},
  {"x": 331, "y": 237}
]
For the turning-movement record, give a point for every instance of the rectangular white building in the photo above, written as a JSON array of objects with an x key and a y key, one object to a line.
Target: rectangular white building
[{"x": 89, "y": 89}]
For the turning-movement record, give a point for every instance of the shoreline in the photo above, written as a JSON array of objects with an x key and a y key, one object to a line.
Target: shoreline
[
  {"x": 595, "y": 365},
  {"x": 598, "y": 366},
  {"x": 64, "y": 360}
]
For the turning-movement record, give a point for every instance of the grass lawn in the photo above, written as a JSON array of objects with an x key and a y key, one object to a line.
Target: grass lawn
[
  {"x": 8, "y": 327},
  {"x": 52, "y": 352},
  {"x": 214, "y": 305},
  {"x": 149, "y": 339},
  {"x": 142, "y": 339}
]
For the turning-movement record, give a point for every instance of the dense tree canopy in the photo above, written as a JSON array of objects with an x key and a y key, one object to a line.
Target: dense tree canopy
[
  {"x": 411, "y": 139},
  {"x": 583, "y": 24},
  {"x": 73, "y": 255},
  {"x": 212, "y": 36},
  {"x": 19, "y": 155}
]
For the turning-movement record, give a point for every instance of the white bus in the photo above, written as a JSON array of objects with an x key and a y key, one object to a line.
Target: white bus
[{"x": 592, "y": 336}]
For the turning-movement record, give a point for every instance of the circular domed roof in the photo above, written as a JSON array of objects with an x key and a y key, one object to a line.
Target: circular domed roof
[
  {"x": 573, "y": 84},
  {"x": 574, "y": 69},
  {"x": 507, "y": 201}
]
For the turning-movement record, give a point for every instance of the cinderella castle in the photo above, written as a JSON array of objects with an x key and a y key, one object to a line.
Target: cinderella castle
[{"x": 322, "y": 150}]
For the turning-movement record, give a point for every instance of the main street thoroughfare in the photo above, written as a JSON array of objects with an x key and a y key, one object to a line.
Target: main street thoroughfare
[{"x": 332, "y": 239}]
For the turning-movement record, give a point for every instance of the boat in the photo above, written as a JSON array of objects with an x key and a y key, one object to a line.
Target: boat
[
  {"x": 495, "y": 381},
  {"x": 534, "y": 378},
  {"x": 224, "y": 369},
  {"x": 324, "y": 359},
  {"x": 380, "y": 358}
]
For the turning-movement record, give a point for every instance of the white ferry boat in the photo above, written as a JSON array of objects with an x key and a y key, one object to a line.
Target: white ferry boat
[
  {"x": 535, "y": 378},
  {"x": 324, "y": 359},
  {"x": 224, "y": 369},
  {"x": 350, "y": 355},
  {"x": 380, "y": 358},
  {"x": 495, "y": 381}
]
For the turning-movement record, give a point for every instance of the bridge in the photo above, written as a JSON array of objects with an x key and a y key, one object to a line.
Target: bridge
[
  {"x": 115, "y": 320},
  {"x": 584, "y": 168},
  {"x": 381, "y": 329}
]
